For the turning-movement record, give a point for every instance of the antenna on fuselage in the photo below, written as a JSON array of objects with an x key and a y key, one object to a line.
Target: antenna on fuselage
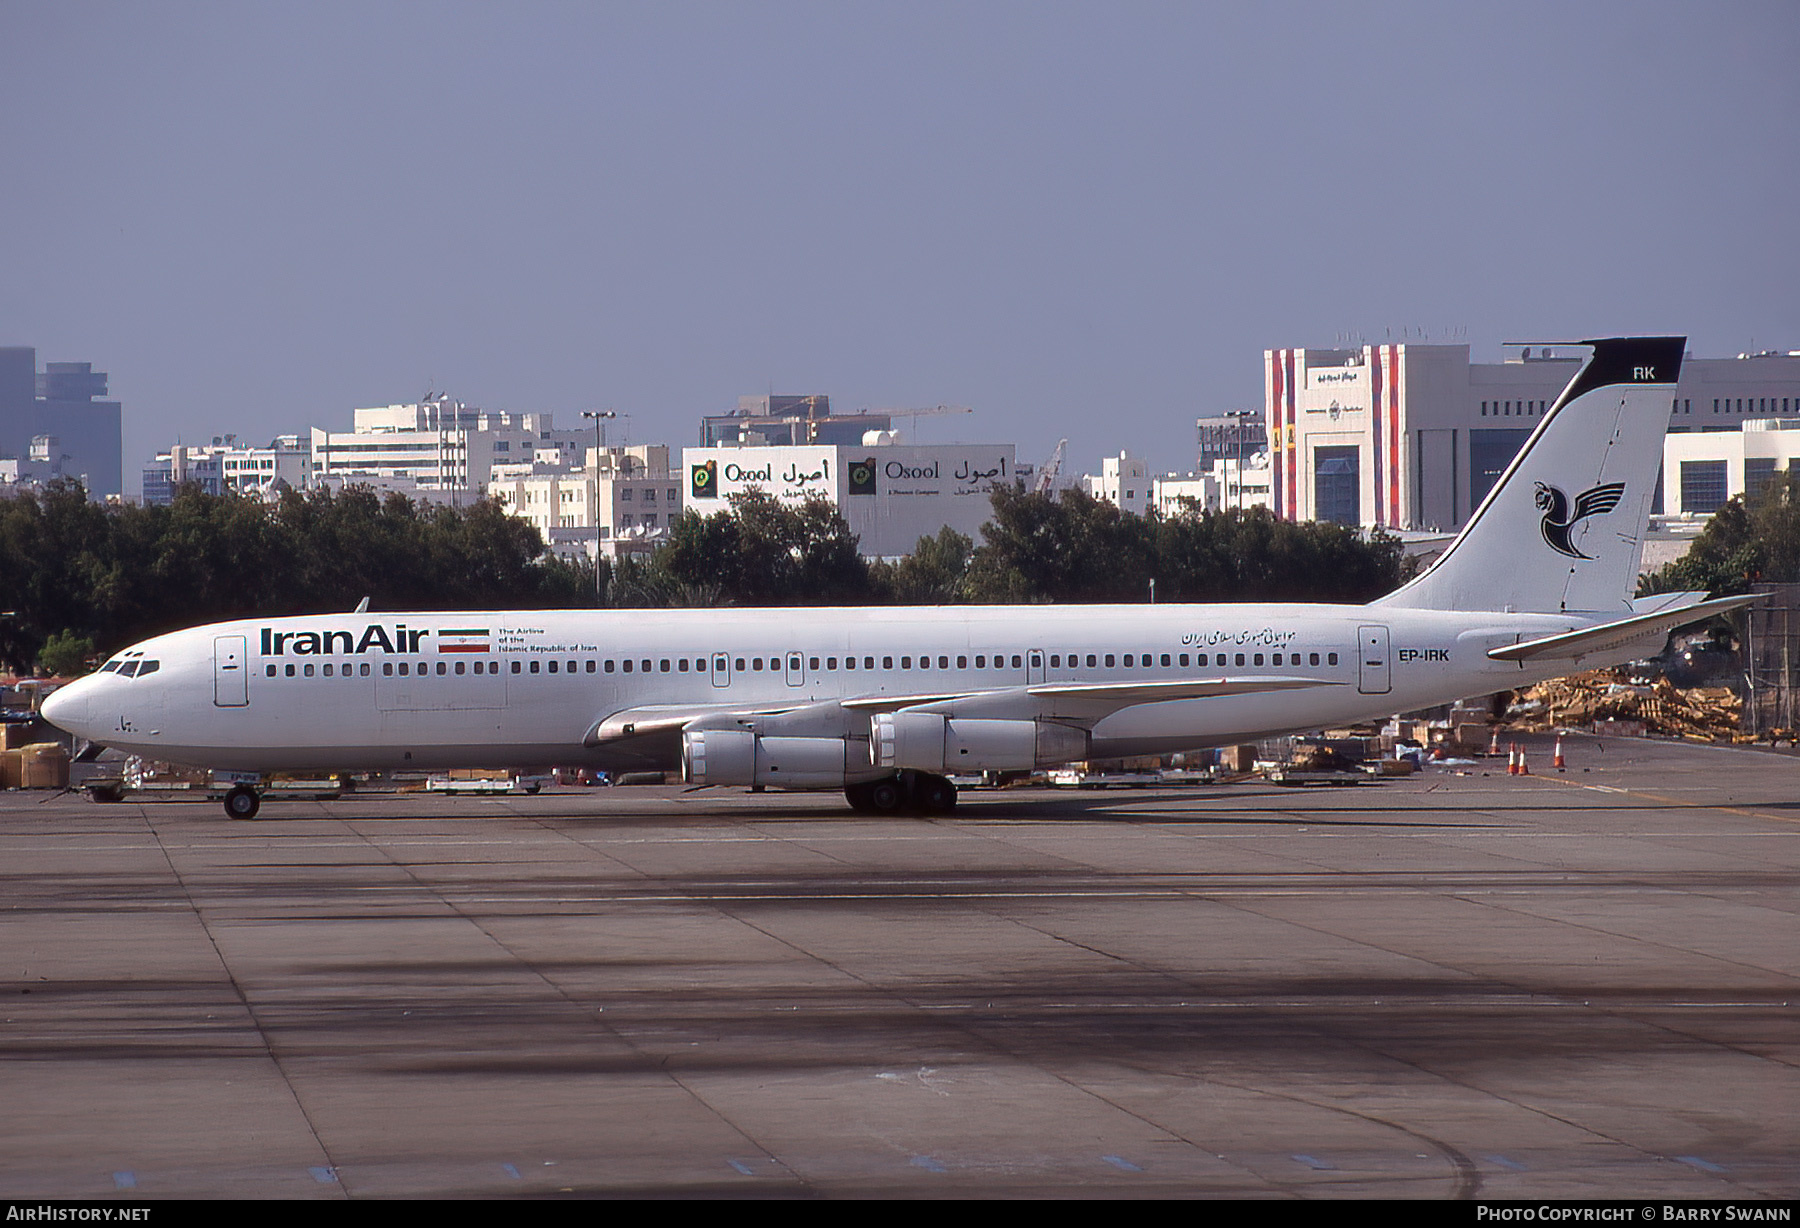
[{"x": 362, "y": 607}]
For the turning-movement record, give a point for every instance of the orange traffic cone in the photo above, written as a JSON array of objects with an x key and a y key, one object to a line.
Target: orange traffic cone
[
  {"x": 1524, "y": 767},
  {"x": 1494, "y": 743},
  {"x": 1512, "y": 758},
  {"x": 1557, "y": 761}
]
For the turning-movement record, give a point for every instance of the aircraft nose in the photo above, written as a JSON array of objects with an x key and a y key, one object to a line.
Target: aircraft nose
[{"x": 67, "y": 707}]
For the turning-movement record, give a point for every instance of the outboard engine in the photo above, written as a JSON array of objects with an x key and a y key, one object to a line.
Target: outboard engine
[
  {"x": 740, "y": 757},
  {"x": 930, "y": 742}
]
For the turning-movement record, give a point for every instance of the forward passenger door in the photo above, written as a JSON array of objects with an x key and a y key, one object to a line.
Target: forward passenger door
[{"x": 230, "y": 687}]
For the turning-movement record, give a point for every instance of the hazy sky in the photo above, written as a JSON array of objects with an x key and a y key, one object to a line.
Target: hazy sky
[{"x": 1081, "y": 219}]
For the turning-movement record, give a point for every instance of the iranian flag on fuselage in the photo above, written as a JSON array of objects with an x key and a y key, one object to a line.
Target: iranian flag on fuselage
[{"x": 463, "y": 639}]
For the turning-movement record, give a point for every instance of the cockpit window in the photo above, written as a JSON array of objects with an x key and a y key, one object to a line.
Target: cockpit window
[
  {"x": 129, "y": 669},
  {"x": 109, "y": 667},
  {"x": 149, "y": 667}
]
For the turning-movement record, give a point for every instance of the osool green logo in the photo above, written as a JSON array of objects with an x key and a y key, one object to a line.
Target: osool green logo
[{"x": 862, "y": 477}]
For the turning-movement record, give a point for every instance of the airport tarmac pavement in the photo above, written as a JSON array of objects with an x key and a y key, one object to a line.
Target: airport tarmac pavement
[{"x": 1449, "y": 985}]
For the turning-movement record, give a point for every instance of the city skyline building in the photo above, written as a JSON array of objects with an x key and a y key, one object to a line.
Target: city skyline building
[
  {"x": 63, "y": 402},
  {"x": 1704, "y": 470},
  {"x": 621, "y": 501},
  {"x": 1237, "y": 435},
  {"x": 1123, "y": 481},
  {"x": 442, "y": 444},
  {"x": 225, "y": 465},
  {"x": 760, "y": 421},
  {"x": 1228, "y": 485}
]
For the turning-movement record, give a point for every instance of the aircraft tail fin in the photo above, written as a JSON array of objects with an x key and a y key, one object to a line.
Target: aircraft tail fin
[{"x": 1563, "y": 528}]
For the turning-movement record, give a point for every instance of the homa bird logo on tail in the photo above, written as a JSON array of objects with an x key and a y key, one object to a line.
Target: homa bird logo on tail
[{"x": 1559, "y": 521}]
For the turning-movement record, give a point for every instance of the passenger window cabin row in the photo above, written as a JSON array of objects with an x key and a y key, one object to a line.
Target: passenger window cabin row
[{"x": 683, "y": 665}]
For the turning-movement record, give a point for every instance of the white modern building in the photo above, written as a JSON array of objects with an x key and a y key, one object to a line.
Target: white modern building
[
  {"x": 1702, "y": 471},
  {"x": 621, "y": 501},
  {"x": 1413, "y": 436},
  {"x": 1230, "y": 485},
  {"x": 226, "y": 465},
  {"x": 890, "y": 493},
  {"x": 42, "y": 464},
  {"x": 443, "y": 444},
  {"x": 1178, "y": 494},
  {"x": 1223, "y": 484},
  {"x": 382, "y": 487},
  {"x": 1123, "y": 481}
]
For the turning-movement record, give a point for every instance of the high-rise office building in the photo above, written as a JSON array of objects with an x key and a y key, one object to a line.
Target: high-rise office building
[{"x": 63, "y": 402}]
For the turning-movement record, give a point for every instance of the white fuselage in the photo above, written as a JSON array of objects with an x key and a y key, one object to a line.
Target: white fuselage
[{"x": 518, "y": 689}]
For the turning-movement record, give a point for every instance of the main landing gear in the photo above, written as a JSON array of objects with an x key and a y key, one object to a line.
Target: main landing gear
[{"x": 907, "y": 793}]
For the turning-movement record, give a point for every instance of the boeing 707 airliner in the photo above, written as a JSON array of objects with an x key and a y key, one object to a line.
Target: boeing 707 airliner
[{"x": 887, "y": 703}]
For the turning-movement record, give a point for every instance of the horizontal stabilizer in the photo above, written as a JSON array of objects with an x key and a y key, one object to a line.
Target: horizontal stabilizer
[
  {"x": 1609, "y": 637},
  {"x": 1666, "y": 601}
]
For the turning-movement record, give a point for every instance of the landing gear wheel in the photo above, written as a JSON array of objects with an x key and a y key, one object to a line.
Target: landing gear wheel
[
  {"x": 242, "y": 802},
  {"x": 885, "y": 796},
  {"x": 858, "y": 795},
  {"x": 933, "y": 794}
]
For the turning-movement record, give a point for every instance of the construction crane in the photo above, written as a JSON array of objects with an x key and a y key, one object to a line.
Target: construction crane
[
  {"x": 1045, "y": 481},
  {"x": 930, "y": 412}
]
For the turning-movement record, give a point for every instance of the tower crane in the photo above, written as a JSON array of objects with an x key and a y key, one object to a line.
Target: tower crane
[{"x": 1045, "y": 481}]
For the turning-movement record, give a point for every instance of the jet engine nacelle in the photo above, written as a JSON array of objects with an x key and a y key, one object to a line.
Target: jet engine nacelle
[
  {"x": 928, "y": 742},
  {"x": 739, "y": 757}
]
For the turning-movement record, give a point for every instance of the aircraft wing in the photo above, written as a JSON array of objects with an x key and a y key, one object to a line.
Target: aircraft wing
[
  {"x": 1119, "y": 694},
  {"x": 650, "y": 720},
  {"x": 1082, "y": 702},
  {"x": 1609, "y": 637},
  {"x": 1089, "y": 700},
  {"x": 1159, "y": 692}
]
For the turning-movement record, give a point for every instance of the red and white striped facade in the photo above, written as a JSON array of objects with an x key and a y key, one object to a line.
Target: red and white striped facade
[{"x": 1335, "y": 398}]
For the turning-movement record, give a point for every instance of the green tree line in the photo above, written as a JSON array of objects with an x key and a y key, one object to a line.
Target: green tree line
[
  {"x": 78, "y": 578},
  {"x": 1036, "y": 548}
]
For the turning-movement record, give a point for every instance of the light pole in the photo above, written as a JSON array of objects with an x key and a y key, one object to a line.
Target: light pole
[
  {"x": 1237, "y": 448},
  {"x": 599, "y": 416}
]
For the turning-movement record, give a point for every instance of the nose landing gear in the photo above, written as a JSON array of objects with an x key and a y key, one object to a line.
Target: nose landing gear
[{"x": 242, "y": 802}]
